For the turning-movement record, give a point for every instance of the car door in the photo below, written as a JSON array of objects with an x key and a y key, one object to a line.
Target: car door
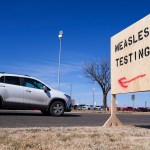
[
  {"x": 12, "y": 92},
  {"x": 34, "y": 96}
]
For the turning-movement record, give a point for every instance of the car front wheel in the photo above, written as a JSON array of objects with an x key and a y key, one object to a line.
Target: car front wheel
[{"x": 57, "y": 108}]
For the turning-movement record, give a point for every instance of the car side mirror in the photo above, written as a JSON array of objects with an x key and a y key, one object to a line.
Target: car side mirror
[{"x": 45, "y": 88}]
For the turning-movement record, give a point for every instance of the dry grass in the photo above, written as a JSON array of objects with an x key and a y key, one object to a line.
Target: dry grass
[{"x": 75, "y": 138}]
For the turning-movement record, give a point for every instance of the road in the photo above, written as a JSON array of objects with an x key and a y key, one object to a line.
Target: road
[{"x": 19, "y": 119}]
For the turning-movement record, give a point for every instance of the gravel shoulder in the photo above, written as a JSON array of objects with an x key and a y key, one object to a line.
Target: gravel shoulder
[{"x": 75, "y": 138}]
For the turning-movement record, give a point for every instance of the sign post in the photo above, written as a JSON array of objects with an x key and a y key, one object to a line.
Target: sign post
[
  {"x": 113, "y": 120},
  {"x": 130, "y": 59}
]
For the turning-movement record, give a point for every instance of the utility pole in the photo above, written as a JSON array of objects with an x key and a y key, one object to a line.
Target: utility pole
[
  {"x": 93, "y": 95},
  {"x": 133, "y": 99},
  {"x": 60, "y": 38}
]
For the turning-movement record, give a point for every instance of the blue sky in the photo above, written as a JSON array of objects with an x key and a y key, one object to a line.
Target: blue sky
[{"x": 29, "y": 41}]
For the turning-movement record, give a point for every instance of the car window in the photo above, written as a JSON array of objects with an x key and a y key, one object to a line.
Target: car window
[
  {"x": 2, "y": 79},
  {"x": 12, "y": 80},
  {"x": 27, "y": 82}
]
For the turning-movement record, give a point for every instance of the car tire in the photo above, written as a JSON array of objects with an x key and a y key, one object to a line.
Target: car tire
[{"x": 57, "y": 108}]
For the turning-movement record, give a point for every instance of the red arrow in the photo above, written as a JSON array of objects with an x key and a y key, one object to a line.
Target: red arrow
[{"x": 123, "y": 83}]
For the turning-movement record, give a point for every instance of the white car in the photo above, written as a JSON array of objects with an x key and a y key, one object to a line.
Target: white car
[
  {"x": 85, "y": 107},
  {"x": 88, "y": 107},
  {"x": 99, "y": 108},
  {"x": 22, "y": 92}
]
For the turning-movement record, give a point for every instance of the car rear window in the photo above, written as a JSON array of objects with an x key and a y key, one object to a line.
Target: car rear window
[
  {"x": 2, "y": 79},
  {"x": 12, "y": 80}
]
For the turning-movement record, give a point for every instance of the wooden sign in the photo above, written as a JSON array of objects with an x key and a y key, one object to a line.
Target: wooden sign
[{"x": 130, "y": 58}]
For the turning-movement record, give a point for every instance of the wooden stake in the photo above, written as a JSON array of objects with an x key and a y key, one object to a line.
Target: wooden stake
[{"x": 113, "y": 120}]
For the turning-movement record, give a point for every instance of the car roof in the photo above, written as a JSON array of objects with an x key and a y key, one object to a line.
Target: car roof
[
  {"x": 17, "y": 75},
  {"x": 13, "y": 74},
  {"x": 23, "y": 76}
]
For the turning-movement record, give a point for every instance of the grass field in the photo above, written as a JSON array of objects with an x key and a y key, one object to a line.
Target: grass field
[{"x": 76, "y": 138}]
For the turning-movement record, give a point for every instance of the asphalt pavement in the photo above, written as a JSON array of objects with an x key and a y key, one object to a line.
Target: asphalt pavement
[{"x": 20, "y": 119}]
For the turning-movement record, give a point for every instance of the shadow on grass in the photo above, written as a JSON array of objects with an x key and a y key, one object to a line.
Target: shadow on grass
[{"x": 143, "y": 126}]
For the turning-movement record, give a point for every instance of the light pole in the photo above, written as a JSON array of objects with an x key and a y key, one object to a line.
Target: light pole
[
  {"x": 60, "y": 38},
  {"x": 145, "y": 104},
  {"x": 93, "y": 96},
  {"x": 133, "y": 99}
]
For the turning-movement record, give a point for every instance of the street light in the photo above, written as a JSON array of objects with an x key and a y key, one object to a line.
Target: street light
[
  {"x": 60, "y": 38},
  {"x": 93, "y": 96},
  {"x": 133, "y": 99}
]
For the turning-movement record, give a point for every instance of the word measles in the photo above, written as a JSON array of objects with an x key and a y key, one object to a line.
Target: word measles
[
  {"x": 132, "y": 39},
  {"x": 136, "y": 55}
]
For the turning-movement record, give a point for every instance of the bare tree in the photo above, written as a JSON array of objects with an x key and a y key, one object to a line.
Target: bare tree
[{"x": 99, "y": 72}]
